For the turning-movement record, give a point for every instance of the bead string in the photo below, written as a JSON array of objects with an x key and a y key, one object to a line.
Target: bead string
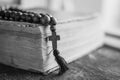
[{"x": 15, "y": 14}]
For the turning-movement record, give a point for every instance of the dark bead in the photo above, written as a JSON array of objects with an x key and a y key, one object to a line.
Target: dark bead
[
  {"x": 7, "y": 15},
  {"x": 45, "y": 19},
  {"x": 18, "y": 16},
  {"x": 35, "y": 18},
  {"x": 23, "y": 17},
  {"x": 2, "y": 14},
  {"x": 53, "y": 21},
  {"x": 29, "y": 17},
  {"x": 12, "y": 15}
]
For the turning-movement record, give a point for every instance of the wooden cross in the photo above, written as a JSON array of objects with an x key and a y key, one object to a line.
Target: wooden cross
[{"x": 54, "y": 38}]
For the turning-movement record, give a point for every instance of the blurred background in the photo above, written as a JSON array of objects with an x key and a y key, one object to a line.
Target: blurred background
[{"x": 83, "y": 6}]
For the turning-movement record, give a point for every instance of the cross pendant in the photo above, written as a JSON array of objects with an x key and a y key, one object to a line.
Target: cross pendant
[{"x": 54, "y": 37}]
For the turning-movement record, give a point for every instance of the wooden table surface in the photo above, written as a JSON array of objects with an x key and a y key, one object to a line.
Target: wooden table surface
[{"x": 101, "y": 64}]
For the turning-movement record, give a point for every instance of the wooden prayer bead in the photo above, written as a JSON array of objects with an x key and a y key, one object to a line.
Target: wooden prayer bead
[
  {"x": 29, "y": 17},
  {"x": 36, "y": 19},
  {"x": 18, "y": 16},
  {"x": 23, "y": 17},
  {"x": 53, "y": 21},
  {"x": 12, "y": 15},
  {"x": 7, "y": 14},
  {"x": 44, "y": 19},
  {"x": 2, "y": 14}
]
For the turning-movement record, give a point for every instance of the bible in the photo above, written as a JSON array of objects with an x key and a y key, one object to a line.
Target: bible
[{"x": 24, "y": 43}]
